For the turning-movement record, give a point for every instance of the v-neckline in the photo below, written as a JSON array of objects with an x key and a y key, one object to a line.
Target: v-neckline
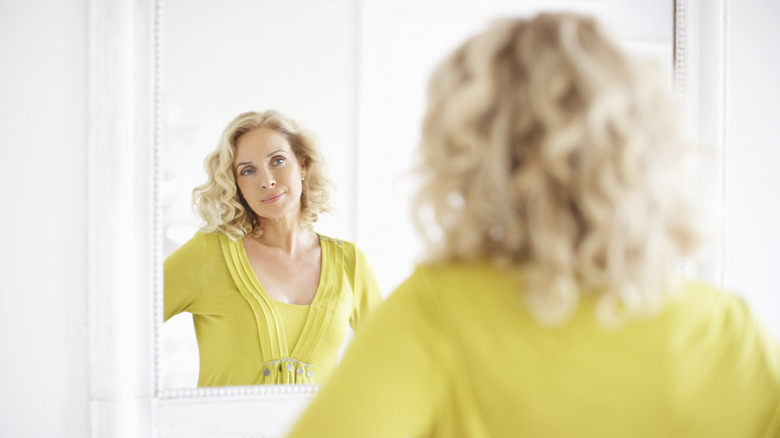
[
  {"x": 326, "y": 305},
  {"x": 292, "y": 351},
  {"x": 258, "y": 285}
]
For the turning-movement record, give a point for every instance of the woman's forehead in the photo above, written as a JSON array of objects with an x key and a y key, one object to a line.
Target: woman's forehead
[{"x": 262, "y": 140}]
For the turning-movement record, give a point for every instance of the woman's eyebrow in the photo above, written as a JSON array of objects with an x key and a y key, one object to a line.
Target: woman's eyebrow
[{"x": 267, "y": 156}]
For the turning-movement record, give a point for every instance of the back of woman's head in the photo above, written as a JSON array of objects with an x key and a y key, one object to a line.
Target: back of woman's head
[{"x": 548, "y": 148}]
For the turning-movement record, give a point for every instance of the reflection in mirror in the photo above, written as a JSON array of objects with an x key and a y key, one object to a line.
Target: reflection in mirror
[
  {"x": 354, "y": 73},
  {"x": 270, "y": 298},
  {"x": 224, "y": 60}
]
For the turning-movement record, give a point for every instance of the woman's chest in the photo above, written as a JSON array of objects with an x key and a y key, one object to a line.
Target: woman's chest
[{"x": 289, "y": 280}]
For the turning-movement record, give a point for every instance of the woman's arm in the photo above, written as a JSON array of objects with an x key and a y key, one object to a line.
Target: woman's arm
[
  {"x": 392, "y": 378},
  {"x": 367, "y": 295},
  {"x": 183, "y": 276}
]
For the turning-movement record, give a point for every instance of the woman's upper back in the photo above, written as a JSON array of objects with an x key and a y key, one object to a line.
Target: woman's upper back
[
  {"x": 702, "y": 361},
  {"x": 469, "y": 360}
]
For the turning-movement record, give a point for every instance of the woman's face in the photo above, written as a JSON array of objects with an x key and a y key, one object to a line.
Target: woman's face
[{"x": 268, "y": 174}]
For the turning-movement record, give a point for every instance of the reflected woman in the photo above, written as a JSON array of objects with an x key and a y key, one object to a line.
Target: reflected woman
[
  {"x": 554, "y": 170},
  {"x": 270, "y": 298}
]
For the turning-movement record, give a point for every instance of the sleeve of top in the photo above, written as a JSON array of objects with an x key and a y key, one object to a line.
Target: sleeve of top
[
  {"x": 367, "y": 295},
  {"x": 183, "y": 276},
  {"x": 392, "y": 378},
  {"x": 757, "y": 354}
]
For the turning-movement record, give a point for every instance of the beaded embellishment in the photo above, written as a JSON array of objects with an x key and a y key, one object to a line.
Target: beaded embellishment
[{"x": 289, "y": 362}]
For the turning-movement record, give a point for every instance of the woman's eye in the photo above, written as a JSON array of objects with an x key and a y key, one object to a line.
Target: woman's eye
[
  {"x": 247, "y": 171},
  {"x": 278, "y": 161}
]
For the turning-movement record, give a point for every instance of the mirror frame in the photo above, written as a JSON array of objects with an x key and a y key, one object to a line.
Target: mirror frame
[{"x": 127, "y": 396}]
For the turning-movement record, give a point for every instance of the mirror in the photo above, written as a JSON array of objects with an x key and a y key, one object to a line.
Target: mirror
[
  {"x": 128, "y": 104},
  {"x": 297, "y": 57}
]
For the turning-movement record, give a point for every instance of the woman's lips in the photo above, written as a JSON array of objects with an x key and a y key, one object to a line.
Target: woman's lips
[{"x": 273, "y": 198}]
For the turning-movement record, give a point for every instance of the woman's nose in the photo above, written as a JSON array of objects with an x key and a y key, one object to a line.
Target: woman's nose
[{"x": 269, "y": 184}]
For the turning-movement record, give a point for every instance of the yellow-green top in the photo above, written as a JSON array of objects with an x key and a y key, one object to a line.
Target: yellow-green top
[
  {"x": 247, "y": 338},
  {"x": 454, "y": 353}
]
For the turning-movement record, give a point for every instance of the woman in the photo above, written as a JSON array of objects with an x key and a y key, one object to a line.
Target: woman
[
  {"x": 555, "y": 172},
  {"x": 270, "y": 298}
]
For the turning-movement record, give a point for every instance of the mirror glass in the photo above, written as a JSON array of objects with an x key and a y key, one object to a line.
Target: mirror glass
[
  {"x": 223, "y": 59},
  {"x": 353, "y": 71}
]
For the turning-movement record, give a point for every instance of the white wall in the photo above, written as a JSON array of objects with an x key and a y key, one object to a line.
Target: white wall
[
  {"x": 752, "y": 239},
  {"x": 43, "y": 122},
  {"x": 43, "y": 297}
]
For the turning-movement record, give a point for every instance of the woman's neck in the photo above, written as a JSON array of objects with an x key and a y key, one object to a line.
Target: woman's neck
[{"x": 285, "y": 235}]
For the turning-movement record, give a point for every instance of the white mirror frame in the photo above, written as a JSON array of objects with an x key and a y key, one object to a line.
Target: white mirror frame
[{"x": 127, "y": 398}]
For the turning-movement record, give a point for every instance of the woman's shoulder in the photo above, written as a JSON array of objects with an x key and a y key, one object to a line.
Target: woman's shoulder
[
  {"x": 202, "y": 238},
  {"x": 206, "y": 237},
  {"x": 705, "y": 302},
  {"x": 337, "y": 245},
  {"x": 705, "y": 297},
  {"x": 334, "y": 240},
  {"x": 474, "y": 274},
  {"x": 464, "y": 285},
  {"x": 709, "y": 319},
  {"x": 201, "y": 243},
  {"x": 344, "y": 252}
]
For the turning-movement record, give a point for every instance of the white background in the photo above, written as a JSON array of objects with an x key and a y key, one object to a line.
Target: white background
[{"x": 43, "y": 130}]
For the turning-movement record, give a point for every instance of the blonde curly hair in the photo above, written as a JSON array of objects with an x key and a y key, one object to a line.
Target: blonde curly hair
[
  {"x": 218, "y": 201},
  {"x": 547, "y": 148}
]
